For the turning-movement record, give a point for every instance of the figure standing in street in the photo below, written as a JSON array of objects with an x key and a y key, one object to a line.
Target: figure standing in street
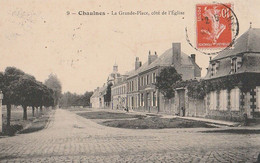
[{"x": 183, "y": 111}]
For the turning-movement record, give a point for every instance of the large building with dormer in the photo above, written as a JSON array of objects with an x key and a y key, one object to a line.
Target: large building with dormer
[
  {"x": 141, "y": 92},
  {"x": 235, "y": 78}
]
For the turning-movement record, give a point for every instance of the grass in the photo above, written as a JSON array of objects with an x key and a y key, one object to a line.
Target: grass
[
  {"x": 76, "y": 109},
  {"x": 131, "y": 121},
  {"x": 235, "y": 131},
  {"x": 18, "y": 125},
  {"x": 156, "y": 123},
  {"x": 108, "y": 115}
]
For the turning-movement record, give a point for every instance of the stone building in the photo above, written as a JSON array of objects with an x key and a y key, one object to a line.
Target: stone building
[
  {"x": 118, "y": 93},
  {"x": 236, "y": 72},
  {"x": 141, "y": 92},
  {"x": 97, "y": 99}
]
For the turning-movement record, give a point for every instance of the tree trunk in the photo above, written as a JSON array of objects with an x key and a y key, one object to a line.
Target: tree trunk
[
  {"x": 8, "y": 118},
  {"x": 33, "y": 111},
  {"x": 24, "y": 112},
  {"x": 41, "y": 109},
  {"x": 37, "y": 111}
]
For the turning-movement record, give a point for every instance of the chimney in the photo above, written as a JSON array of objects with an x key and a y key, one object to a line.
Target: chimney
[
  {"x": 152, "y": 58},
  {"x": 137, "y": 63},
  {"x": 176, "y": 52},
  {"x": 193, "y": 57}
]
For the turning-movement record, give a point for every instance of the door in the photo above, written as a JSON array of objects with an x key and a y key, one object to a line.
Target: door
[{"x": 181, "y": 108}]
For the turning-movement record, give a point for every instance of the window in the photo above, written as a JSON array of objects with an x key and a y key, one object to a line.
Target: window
[
  {"x": 258, "y": 98},
  {"x": 234, "y": 99},
  {"x": 147, "y": 79},
  {"x": 213, "y": 100},
  {"x": 154, "y": 99},
  {"x": 142, "y": 99},
  {"x": 136, "y": 84},
  {"x": 218, "y": 97},
  {"x": 153, "y": 77},
  {"x": 236, "y": 63},
  {"x": 223, "y": 98},
  {"x": 213, "y": 69}
]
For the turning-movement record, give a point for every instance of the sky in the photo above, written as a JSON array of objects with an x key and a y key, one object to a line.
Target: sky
[{"x": 39, "y": 37}]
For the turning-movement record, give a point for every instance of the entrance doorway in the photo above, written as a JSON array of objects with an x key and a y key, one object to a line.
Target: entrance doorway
[{"x": 181, "y": 108}]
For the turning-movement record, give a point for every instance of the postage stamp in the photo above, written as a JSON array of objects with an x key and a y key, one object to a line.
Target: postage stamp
[{"x": 213, "y": 25}]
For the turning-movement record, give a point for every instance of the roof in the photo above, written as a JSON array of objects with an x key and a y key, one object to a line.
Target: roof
[
  {"x": 246, "y": 43},
  {"x": 164, "y": 60},
  {"x": 135, "y": 72},
  {"x": 250, "y": 65},
  {"x": 102, "y": 90},
  {"x": 95, "y": 93},
  {"x": 99, "y": 91}
]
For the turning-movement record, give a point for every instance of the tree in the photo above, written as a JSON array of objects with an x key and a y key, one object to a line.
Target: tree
[
  {"x": 69, "y": 99},
  {"x": 166, "y": 81},
  {"x": 54, "y": 83},
  {"x": 28, "y": 93},
  {"x": 107, "y": 97},
  {"x": 8, "y": 80}
]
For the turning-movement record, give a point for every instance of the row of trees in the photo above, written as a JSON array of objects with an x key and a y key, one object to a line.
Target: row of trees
[
  {"x": 72, "y": 99},
  {"x": 23, "y": 89}
]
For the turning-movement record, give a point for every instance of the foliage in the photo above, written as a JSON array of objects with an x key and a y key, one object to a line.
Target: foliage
[
  {"x": 167, "y": 80},
  {"x": 69, "y": 99},
  {"x": 54, "y": 83},
  {"x": 107, "y": 97},
  {"x": 23, "y": 89},
  {"x": 198, "y": 89}
]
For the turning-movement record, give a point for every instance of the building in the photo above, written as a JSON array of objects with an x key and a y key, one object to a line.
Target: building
[
  {"x": 235, "y": 78},
  {"x": 114, "y": 75},
  {"x": 118, "y": 93},
  {"x": 97, "y": 100},
  {"x": 141, "y": 92},
  {"x": 94, "y": 99},
  {"x": 98, "y": 97}
]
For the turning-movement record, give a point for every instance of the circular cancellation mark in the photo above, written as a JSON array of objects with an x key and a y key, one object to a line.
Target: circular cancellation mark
[{"x": 217, "y": 28}]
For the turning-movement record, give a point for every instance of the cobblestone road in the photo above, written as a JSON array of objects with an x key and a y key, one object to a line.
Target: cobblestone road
[{"x": 71, "y": 138}]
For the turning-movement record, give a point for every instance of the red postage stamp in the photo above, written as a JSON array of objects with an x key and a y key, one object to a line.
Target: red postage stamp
[{"x": 213, "y": 25}]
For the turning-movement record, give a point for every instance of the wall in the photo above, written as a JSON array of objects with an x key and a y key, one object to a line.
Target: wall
[
  {"x": 234, "y": 111},
  {"x": 196, "y": 108}
]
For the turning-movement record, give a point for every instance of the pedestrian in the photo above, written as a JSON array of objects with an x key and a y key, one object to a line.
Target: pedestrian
[
  {"x": 183, "y": 111},
  {"x": 245, "y": 119}
]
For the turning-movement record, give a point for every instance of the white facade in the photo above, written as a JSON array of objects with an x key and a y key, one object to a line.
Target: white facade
[{"x": 119, "y": 96}]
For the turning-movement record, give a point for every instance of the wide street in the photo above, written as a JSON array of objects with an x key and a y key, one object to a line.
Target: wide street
[{"x": 71, "y": 138}]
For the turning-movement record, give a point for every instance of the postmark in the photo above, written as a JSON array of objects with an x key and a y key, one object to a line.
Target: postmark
[
  {"x": 213, "y": 25},
  {"x": 216, "y": 28}
]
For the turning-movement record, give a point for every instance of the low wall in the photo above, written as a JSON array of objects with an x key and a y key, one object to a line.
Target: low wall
[{"x": 227, "y": 115}]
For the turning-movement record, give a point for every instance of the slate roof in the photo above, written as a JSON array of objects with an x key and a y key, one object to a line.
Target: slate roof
[
  {"x": 247, "y": 42},
  {"x": 248, "y": 46},
  {"x": 165, "y": 59}
]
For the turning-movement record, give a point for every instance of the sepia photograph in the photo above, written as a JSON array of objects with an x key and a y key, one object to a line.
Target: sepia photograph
[{"x": 128, "y": 81}]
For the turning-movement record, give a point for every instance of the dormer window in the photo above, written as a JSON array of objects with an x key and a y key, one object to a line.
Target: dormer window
[
  {"x": 214, "y": 68},
  {"x": 236, "y": 63}
]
